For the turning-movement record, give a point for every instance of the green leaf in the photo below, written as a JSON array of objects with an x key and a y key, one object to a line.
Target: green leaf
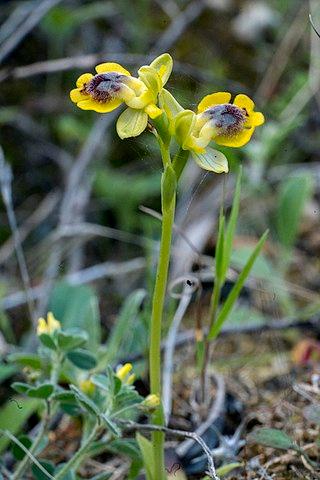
[
  {"x": 229, "y": 467},
  {"x": 82, "y": 359},
  {"x": 26, "y": 360},
  {"x": 111, "y": 425},
  {"x": 102, "y": 476},
  {"x": 17, "y": 452},
  {"x": 271, "y": 437},
  {"x": 211, "y": 160},
  {"x": 47, "y": 341},
  {"x": 20, "y": 387},
  {"x": 71, "y": 338},
  {"x": 39, "y": 474},
  {"x": 293, "y": 196},
  {"x": 147, "y": 454},
  {"x": 235, "y": 292},
  {"x": 41, "y": 391},
  {"x": 131, "y": 123},
  {"x": 77, "y": 306},
  {"x": 168, "y": 188},
  {"x": 14, "y": 414},
  {"x": 85, "y": 402},
  {"x": 125, "y": 321},
  {"x": 231, "y": 226}
]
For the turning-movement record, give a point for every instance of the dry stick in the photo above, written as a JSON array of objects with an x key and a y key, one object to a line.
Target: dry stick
[
  {"x": 179, "y": 24},
  {"x": 178, "y": 433},
  {"x": 282, "y": 55},
  {"x": 34, "y": 18},
  {"x": 169, "y": 350},
  {"x": 6, "y": 191},
  {"x": 44, "y": 209},
  {"x": 26, "y": 451},
  {"x": 75, "y": 181}
]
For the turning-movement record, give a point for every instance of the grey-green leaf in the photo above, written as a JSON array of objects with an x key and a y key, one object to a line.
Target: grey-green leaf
[
  {"x": 82, "y": 359},
  {"x": 271, "y": 437}
]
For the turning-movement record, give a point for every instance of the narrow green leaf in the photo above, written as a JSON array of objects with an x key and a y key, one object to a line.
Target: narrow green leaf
[
  {"x": 127, "y": 316},
  {"x": 235, "y": 292},
  {"x": 39, "y": 474},
  {"x": 85, "y": 402},
  {"x": 111, "y": 425},
  {"x": 82, "y": 359},
  {"x": 271, "y": 437},
  {"x": 147, "y": 454},
  {"x": 231, "y": 226}
]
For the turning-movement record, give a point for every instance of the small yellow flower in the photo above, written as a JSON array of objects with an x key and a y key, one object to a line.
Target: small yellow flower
[
  {"x": 123, "y": 373},
  {"x": 151, "y": 401},
  {"x": 48, "y": 326},
  {"x": 229, "y": 124},
  {"x": 113, "y": 85}
]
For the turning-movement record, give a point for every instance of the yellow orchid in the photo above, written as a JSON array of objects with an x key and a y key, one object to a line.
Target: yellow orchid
[
  {"x": 48, "y": 326},
  {"x": 217, "y": 120},
  {"x": 113, "y": 85},
  {"x": 229, "y": 124}
]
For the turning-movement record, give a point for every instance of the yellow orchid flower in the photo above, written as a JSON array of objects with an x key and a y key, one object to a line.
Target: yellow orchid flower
[
  {"x": 217, "y": 120},
  {"x": 48, "y": 326},
  {"x": 113, "y": 85},
  {"x": 229, "y": 124}
]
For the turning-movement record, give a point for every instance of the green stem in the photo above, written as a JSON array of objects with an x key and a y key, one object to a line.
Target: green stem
[
  {"x": 156, "y": 323},
  {"x": 78, "y": 457}
]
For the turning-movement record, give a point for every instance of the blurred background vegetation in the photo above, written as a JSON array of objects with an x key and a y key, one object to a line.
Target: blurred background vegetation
[{"x": 76, "y": 188}]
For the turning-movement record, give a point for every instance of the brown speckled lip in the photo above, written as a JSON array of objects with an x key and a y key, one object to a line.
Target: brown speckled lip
[
  {"x": 228, "y": 118},
  {"x": 104, "y": 87}
]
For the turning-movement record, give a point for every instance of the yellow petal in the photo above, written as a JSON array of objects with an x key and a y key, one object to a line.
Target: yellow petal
[
  {"x": 153, "y": 111},
  {"x": 100, "y": 107},
  {"x": 77, "y": 96},
  {"x": 243, "y": 101},
  {"x": 111, "y": 67},
  {"x": 42, "y": 326},
  {"x": 141, "y": 101},
  {"x": 257, "y": 118},
  {"x": 214, "y": 99},
  {"x": 236, "y": 140},
  {"x": 124, "y": 371},
  {"x": 53, "y": 324},
  {"x": 84, "y": 78}
]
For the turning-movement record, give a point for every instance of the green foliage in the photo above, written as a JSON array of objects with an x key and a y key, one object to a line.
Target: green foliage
[
  {"x": 271, "y": 437},
  {"x": 147, "y": 454},
  {"x": 293, "y": 195},
  {"x": 77, "y": 307}
]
